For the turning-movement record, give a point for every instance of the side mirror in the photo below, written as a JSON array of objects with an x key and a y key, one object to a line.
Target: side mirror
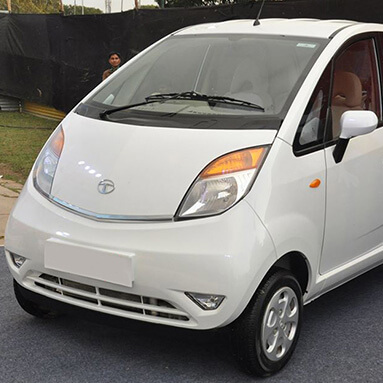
[
  {"x": 357, "y": 122},
  {"x": 353, "y": 123}
]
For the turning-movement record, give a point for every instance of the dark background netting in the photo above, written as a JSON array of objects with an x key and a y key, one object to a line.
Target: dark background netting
[{"x": 56, "y": 60}]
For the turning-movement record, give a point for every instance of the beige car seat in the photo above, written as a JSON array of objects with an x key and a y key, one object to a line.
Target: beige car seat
[{"x": 346, "y": 95}]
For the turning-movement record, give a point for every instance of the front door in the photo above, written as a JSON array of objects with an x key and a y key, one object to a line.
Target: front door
[{"x": 354, "y": 196}]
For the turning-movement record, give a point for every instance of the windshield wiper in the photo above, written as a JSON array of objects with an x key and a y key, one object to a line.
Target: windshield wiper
[
  {"x": 190, "y": 95},
  {"x": 211, "y": 100},
  {"x": 106, "y": 112},
  {"x": 148, "y": 100}
]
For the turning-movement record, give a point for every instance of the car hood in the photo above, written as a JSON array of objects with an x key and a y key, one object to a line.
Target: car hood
[{"x": 151, "y": 168}]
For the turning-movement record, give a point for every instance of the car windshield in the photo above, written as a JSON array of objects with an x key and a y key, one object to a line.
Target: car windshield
[{"x": 219, "y": 74}]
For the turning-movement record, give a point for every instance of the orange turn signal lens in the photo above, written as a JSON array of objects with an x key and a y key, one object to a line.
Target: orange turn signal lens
[
  {"x": 235, "y": 162},
  {"x": 315, "y": 183},
  {"x": 58, "y": 143}
]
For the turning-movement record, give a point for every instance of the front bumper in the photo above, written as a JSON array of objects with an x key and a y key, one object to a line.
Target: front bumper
[{"x": 224, "y": 255}]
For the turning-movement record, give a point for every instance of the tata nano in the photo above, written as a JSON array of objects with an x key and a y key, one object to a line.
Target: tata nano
[{"x": 227, "y": 175}]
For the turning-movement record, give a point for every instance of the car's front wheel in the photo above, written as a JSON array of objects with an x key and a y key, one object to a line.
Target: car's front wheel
[
  {"x": 32, "y": 307},
  {"x": 265, "y": 335}
]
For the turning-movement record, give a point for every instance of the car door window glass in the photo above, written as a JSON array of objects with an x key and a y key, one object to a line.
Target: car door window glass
[{"x": 355, "y": 82}]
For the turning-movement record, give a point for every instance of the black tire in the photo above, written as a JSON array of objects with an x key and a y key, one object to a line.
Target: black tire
[
  {"x": 261, "y": 347},
  {"x": 33, "y": 308}
]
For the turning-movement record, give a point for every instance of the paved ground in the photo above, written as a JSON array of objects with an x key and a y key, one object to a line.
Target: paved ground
[
  {"x": 341, "y": 341},
  {"x": 9, "y": 191}
]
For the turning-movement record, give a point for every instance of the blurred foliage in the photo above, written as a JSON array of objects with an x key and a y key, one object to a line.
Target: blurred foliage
[
  {"x": 151, "y": 6},
  {"x": 32, "y": 6},
  {"x": 69, "y": 10},
  {"x": 45, "y": 6}
]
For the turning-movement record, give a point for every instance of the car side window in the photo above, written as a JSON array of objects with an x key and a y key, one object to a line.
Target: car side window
[
  {"x": 355, "y": 82},
  {"x": 311, "y": 128}
]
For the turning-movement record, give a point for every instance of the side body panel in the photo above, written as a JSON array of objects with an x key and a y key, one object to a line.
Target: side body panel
[
  {"x": 292, "y": 211},
  {"x": 354, "y": 220},
  {"x": 341, "y": 260}
]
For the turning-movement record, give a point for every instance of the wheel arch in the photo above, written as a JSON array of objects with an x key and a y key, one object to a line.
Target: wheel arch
[{"x": 298, "y": 265}]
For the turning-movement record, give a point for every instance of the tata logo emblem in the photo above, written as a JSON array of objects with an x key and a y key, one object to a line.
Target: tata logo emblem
[{"x": 105, "y": 187}]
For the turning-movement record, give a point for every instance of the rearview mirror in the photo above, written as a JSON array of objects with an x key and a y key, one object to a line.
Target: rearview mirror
[
  {"x": 357, "y": 122},
  {"x": 353, "y": 123}
]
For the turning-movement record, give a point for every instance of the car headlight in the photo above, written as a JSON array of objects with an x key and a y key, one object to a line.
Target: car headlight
[
  {"x": 222, "y": 183},
  {"x": 46, "y": 163}
]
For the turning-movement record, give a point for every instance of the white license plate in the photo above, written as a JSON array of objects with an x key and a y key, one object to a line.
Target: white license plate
[{"x": 104, "y": 265}]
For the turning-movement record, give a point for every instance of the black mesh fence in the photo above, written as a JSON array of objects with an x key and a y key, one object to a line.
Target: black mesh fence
[{"x": 56, "y": 60}]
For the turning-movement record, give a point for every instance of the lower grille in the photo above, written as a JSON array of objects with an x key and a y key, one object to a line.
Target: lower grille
[{"x": 117, "y": 301}]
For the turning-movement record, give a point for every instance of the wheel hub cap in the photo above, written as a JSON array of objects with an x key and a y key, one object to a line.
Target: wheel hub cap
[{"x": 280, "y": 322}]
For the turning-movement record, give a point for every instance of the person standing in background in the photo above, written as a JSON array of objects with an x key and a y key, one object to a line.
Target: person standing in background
[{"x": 114, "y": 61}]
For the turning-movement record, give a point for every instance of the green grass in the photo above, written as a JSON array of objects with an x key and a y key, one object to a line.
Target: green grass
[{"x": 21, "y": 138}]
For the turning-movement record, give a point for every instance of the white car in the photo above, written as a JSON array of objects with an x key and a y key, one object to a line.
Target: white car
[{"x": 227, "y": 175}]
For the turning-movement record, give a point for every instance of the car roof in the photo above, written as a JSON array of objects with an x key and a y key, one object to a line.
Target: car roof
[{"x": 288, "y": 27}]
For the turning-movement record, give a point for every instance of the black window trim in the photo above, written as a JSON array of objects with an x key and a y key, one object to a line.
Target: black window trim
[{"x": 315, "y": 146}]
